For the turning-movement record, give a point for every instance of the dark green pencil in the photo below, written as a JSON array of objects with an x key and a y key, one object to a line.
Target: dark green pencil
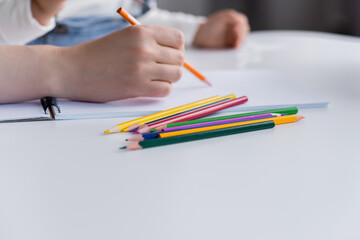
[
  {"x": 287, "y": 111},
  {"x": 199, "y": 136}
]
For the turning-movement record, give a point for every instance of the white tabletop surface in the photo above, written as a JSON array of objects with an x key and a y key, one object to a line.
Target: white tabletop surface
[{"x": 65, "y": 180}]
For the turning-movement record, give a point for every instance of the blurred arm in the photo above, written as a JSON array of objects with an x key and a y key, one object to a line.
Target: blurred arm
[
  {"x": 17, "y": 24},
  {"x": 187, "y": 23}
]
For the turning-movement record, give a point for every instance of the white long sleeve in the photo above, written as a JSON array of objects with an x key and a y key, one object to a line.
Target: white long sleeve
[
  {"x": 17, "y": 24},
  {"x": 187, "y": 23}
]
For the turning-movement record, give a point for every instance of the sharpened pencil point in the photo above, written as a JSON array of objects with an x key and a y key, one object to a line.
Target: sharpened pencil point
[
  {"x": 123, "y": 147},
  {"x": 107, "y": 131},
  {"x": 300, "y": 118},
  {"x": 136, "y": 138},
  {"x": 134, "y": 146},
  {"x": 133, "y": 127},
  {"x": 207, "y": 82}
]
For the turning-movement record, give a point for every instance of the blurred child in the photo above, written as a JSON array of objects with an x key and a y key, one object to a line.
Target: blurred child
[
  {"x": 84, "y": 20},
  {"x": 134, "y": 62}
]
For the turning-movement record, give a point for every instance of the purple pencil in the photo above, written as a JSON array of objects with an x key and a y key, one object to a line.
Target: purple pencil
[
  {"x": 220, "y": 122},
  {"x": 141, "y": 137}
]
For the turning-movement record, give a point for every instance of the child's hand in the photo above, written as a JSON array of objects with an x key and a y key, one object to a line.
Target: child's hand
[
  {"x": 44, "y": 10},
  {"x": 137, "y": 61},
  {"x": 224, "y": 29}
]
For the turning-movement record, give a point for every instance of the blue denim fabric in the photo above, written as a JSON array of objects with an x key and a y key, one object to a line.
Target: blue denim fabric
[{"x": 74, "y": 31}]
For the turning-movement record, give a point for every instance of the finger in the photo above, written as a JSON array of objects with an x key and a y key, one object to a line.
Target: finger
[
  {"x": 158, "y": 88},
  {"x": 240, "y": 34},
  {"x": 238, "y": 19},
  {"x": 232, "y": 36},
  {"x": 168, "y": 73},
  {"x": 171, "y": 56},
  {"x": 169, "y": 37},
  {"x": 236, "y": 35}
]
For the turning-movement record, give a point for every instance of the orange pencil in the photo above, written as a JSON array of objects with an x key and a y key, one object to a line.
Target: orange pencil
[
  {"x": 277, "y": 121},
  {"x": 133, "y": 21}
]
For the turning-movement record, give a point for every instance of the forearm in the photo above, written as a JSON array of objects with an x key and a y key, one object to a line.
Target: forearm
[
  {"x": 44, "y": 10},
  {"x": 137, "y": 61},
  {"x": 28, "y": 72}
]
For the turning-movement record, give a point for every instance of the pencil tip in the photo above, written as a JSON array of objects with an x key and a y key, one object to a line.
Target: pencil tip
[
  {"x": 123, "y": 147},
  {"x": 207, "y": 82},
  {"x": 107, "y": 131},
  {"x": 300, "y": 117},
  {"x": 134, "y": 146},
  {"x": 133, "y": 127}
]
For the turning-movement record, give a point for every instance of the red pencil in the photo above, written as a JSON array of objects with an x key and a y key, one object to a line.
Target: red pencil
[{"x": 195, "y": 114}]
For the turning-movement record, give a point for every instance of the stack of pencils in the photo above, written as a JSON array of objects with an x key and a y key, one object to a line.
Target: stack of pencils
[{"x": 178, "y": 124}]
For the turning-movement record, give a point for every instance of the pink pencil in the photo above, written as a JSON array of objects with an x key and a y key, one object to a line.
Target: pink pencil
[{"x": 196, "y": 114}]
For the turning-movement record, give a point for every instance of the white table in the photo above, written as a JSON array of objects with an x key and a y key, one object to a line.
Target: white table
[{"x": 65, "y": 180}]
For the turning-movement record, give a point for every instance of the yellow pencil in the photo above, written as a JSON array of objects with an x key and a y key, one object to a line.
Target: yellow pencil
[
  {"x": 133, "y": 21},
  {"x": 123, "y": 126},
  {"x": 277, "y": 120}
]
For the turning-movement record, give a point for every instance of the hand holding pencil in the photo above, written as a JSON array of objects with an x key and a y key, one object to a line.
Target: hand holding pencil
[
  {"x": 133, "y": 21},
  {"x": 141, "y": 61}
]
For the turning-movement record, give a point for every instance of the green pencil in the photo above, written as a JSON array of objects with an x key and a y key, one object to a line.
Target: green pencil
[
  {"x": 288, "y": 111},
  {"x": 198, "y": 136}
]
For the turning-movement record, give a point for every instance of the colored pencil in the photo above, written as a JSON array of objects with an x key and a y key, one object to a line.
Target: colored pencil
[
  {"x": 179, "y": 110},
  {"x": 133, "y": 21},
  {"x": 145, "y": 136},
  {"x": 191, "y": 110},
  {"x": 199, "y": 135},
  {"x": 287, "y": 111},
  {"x": 168, "y": 112},
  {"x": 277, "y": 121},
  {"x": 196, "y": 114},
  {"x": 220, "y": 122}
]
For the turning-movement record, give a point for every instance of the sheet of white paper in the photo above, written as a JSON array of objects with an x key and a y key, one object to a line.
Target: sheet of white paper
[
  {"x": 19, "y": 111},
  {"x": 265, "y": 90}
]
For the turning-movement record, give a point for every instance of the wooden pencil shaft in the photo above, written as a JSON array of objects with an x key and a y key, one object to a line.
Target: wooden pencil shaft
[{"x": 208, "y": 134}]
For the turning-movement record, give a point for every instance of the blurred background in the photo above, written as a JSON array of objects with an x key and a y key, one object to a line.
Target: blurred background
[{"x": 336, "y": 16}]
